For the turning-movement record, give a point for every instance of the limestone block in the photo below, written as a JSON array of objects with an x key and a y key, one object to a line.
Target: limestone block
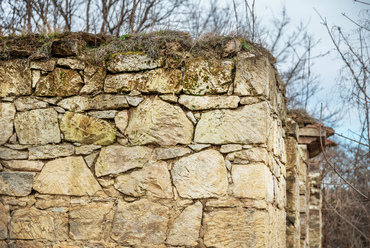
[
  {"x": 76, "y": 103},
  {"x": 35, "y": 75},
  {"x": 105, "y": 102},
  {"x": 171, "y": 152},
  {"x": 207, "y": 76},
  {"x": 15, "y": 78},
  {"x": 60, "y": 82},
  {"x": 154, "y": 180},
  {"x": 158, "y": 122},
  {"x": 209, "y": 102},
  {"x": 48, "y": 201},
  {"x": 140, "y": 223},
  {"x": 201, "y": 175},
  {"x": 86, "y": 149},
  {"x": 121, "y": 121},
  {"x": 87, "y": 130},
  {"x": 66, "y": 176},
  {"x": 94, "y": 77},
  {"x": 235, "y": 227},
  {"x": 169, "y": 98},
  {"x": 153, "y": 81},
  {"x": 74, "y": 64},
  {"x": 245, "y": 125},
  {"x": 257, "y": 154},
  {"x": 16, "y": 183},
  {"x": 7, "y": 113},
  {"x": 104, "y": 114},
  {"x": 252, "y": 75},
  {"x": 230, "y": 148},
  {"x": 67, "y": 47},
  {"x": 8, "y": 154},
  {"x": 253, "y": 181},
  {"x": 4, "y": 220},
  {"x": 116, "y": 159},
  {"x": 90, "y": 159},
  {"x": 185, "y": 228},
  {"x": 47, "y": 65},
  {"x": 25, "y": 244},
  {"x": 28, "y": 103},
  {"x": 37, "y": 127},
  {"x": 50, "y": 151},
  {"x": 248, "y": 100},
  {"x": 30, "y": 223},
  {"x": 134, "y": 101},
  {"x": 132, "y": 62},
  {"x": 198, "y": 147},
  {"x": 23, "y": 165}
]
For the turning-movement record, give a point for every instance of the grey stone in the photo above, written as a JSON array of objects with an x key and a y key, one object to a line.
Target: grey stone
[
  {"x": 198, "y": 147},
  {"x": 104, "y": 114},
  {"x": 172, "y": 152},
  {"x": 50, "y": 151},
  {"x": 230, "y": 148},
  {"x": 8, "y": 154},
  {"x": 16, "y": 183},
  {"x": 134, "y": 100},
  {"x": 86, "y": 149},
  {"x": 28, "y": 103}
]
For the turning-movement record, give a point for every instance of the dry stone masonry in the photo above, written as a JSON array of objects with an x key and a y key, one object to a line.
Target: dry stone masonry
[{"x": 142, "y": 153}]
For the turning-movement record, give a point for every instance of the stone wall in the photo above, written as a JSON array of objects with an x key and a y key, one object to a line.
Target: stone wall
[{"x": 142, "y": 152}]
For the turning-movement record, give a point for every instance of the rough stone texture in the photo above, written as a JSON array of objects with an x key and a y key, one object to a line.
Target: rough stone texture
[
  {"x": 252, "y": 75},
  {"x": 48, "y": 65},
  {"x": 200, "y": 175},
  {"x": 23, "y": 165},
  {"x": 74, "y": 64},
  {"x": 4, "y": 220},
  {"x": 140, "y": 223},
  {"x": 100, "y": 102},
  {"x": 16, "y": 183},
  {"x": 8, "y": 154},
  {"x": 117, "y": 159},
  {"x": 15, "y": 78},
  {"x": 45, "y": 225},
  {"x": 207, "y": 76},
  {"x": 60, "y": 82},
  {"x": 230, "y": 148},
  {"x": 235, "y": 227},
  {"x": 132, "y": 62},
  {"x": 185, "y": 228},
  {"x": 198, "y": 147},
  {"x": 171, "y": 152},
  {"x": 76, "y": 103},
  {"x": 209, "y": 102},
  {"x": 169, "y": 98},
  {"x": 257, "y": 154},
  {"x": 244, "y": 125},
  {"x": 153, "y": 179},
  {"x": 121, "y": 121},
  {"x": 134, "y": 101},
  {"x": 50, "y": 151},
  {"x": 66, "y": 176},
  {"x": 7, "y": 113},
  {"x": 94, "y": 77},
  {"x": 158, "y": 122},
  {"x": 104, "y": 114},
  {"x": 87, "y": 130},
  {"x": 67, "y": 47},
  {"x": 154, "y": 81},
  {"x": 26, "y": 103},
  {"x": 37, "y": 127},
  {"x": 86, "y": 149}
]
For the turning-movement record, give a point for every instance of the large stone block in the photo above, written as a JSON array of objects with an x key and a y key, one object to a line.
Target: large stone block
[
  {"x": 37, "y": 127},
  {"x": 87, "y": 130},
  {"x": 153, "y": 81},
  {"x": 141, "y": 223},
  {"x": 7, "y": 153},
  {"x": 94, "y": 77},
  {"x": 209, "y": 102},
  {"x": 15, "y": 78},
  {"x": 16, "y": 183},
  {"x": 158, "y": 122},
  {"x": 245, "y": 125},
  {"x": 117, "y": 159},
  {"x": 60, "y": 82},
  {"x": 7, "y": 113},
  {"x": 100, "y": 102},
  {"x": 66, "y": 176},
  {"x": 28, "y": 103},
  {"x": 132, "y": 62},
  {"x": 201, "y": 175}
]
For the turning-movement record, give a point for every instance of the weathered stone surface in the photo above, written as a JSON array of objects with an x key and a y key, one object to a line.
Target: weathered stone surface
[
  {"x": 257, "y": 154},
  {"x": 76, "y": 103},
  {"x": 47, "y": 65},
  {"x": 90, "y": 159},
  {"x": 67, "y": 47},
  {"x": 230, "y": 148},
  {"x": 23, "y": 165},
  {"x": 132, "y": 62},
  {"x": 37, "y": 127},
  {"x": 235, "y": 228},
  {"x": 35, "y": 76},
  {"x": 185, "y": 228},
  {"x": 158, "y": 122},
  {"x": 134, "y": 100},
  {"x": 169, "y": 98},
  {"x": 26, "y": 244},
  {"x": 104, "y": 114},
  {"x": 60, "y": 82},
  {"x": 87, "y": 222},
  {"x": 154, "y": 81},
  {"x": 27, "y": 103},
  {"x": 16, "y": 183},
  {"x": 86, "y": 149},
  {"x": 94, "y": 77},
  {"x": 87, "y": 130},
  {"x": 171, "y": 152},
  {"x": 7, "y": 113},
  {"x": 4, "y": 220},
  {"x": 30, "y": 223},
  {"x": 7, "y": 153},
  {"x": 207, "y": 76},
  {"x": 209, "y": 102},
  {"x": 232, "y": 47},
  {"x": 66, "y": 176},
  {"x": 121, "y": 121},
  {"x": 252, "y": 75},
  {"x": 100, "y": 102},
  {"x": 248, "y": 124},
  {"x": 154, "y": 180},
  {"x": 253, "y": 181},
  {"x": 249, "y": 100},
  {"x": 50, "y": 151},
  {"x": 198, "y": 147},
  {"x": 15, "y": 78},
  {"x": 74, "y": 64},
  {"x": 117, "y": 159},
  {"x": 140, "y": 223},
  {"x": 200, "y": 175}
]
